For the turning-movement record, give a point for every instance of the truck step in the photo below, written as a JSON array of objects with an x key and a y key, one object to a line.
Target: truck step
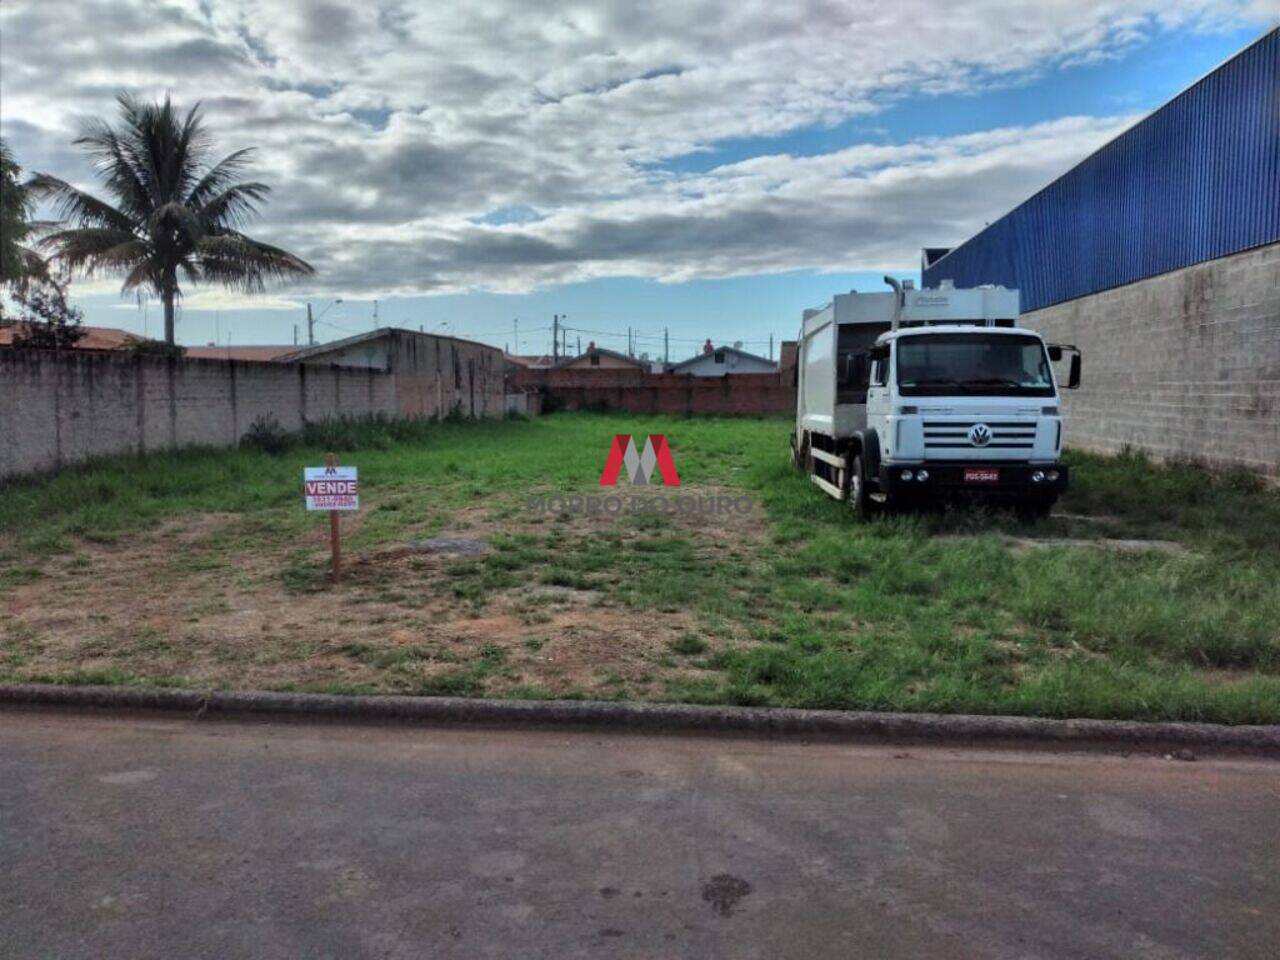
[
  {"x": 830, "y": 488},
  {"x": 831, "y": 458}
]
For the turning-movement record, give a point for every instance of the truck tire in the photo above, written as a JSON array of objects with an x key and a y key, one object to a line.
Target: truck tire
[{"x": 860, "y": 502}]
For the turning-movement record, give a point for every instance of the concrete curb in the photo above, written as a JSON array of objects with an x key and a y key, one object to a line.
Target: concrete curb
[{"x": 942, "y": 729}]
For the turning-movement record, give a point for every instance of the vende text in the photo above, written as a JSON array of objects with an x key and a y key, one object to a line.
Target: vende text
[{"x": 332, "y": 488}]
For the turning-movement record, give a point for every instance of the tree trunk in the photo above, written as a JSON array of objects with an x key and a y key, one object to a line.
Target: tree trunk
[{"x": 168, "y": 316}]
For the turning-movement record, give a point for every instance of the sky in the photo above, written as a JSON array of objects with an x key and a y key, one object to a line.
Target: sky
[{"x": 690, "y": 169}]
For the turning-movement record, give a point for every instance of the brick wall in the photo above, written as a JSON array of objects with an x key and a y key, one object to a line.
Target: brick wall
[
  {"x": 61, "y": 408},
  {"x": 1186, "y": 364},
  {"x": 636, "y": 391}
]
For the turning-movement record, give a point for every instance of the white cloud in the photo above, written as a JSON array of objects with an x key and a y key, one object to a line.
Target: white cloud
[{"x": 390, "y": 129}]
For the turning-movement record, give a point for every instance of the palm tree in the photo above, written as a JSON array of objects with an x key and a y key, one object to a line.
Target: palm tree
[
  {"x": 19, "y": 264},
  {"x": 174, "y": 212}
]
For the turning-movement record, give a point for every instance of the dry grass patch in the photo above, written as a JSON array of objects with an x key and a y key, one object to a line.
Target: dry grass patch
[{"x": 215, "y": 600}]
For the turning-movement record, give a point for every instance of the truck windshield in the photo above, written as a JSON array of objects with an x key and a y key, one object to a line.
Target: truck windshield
[{"x": 971, "y": 363}]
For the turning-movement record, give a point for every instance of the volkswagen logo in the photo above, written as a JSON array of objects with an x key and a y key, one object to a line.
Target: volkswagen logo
[{"x": 979, "y": 434}]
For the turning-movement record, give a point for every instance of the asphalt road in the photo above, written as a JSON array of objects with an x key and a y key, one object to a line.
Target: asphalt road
[{"x": 153, "y": 838}]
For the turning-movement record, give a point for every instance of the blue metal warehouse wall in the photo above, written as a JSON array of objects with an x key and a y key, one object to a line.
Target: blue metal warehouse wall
[{"x": 1198, "y": 179}]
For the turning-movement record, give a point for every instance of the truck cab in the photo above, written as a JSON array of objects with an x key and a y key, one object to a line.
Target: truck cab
[{"x": 924, "y": 395}]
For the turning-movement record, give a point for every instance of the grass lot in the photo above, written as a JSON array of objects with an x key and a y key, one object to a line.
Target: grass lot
[{"x": 1154, "y": 593}]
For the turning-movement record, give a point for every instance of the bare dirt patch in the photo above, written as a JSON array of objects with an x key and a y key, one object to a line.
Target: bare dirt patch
[
  {"x": 218, "y": 600},
  {"x": 1120, "y": 545}
]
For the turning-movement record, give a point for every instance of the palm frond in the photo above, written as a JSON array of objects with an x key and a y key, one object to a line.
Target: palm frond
[
  {"x": 219, "y": 177},
  {"x": 70, "y": 203},
  {"x": 193, "y": 143},
  {"x": 234, "y": 260},
  {"x": 234, "y": 205},
  {"x": 145, "y": 273},
  {"x": 89, "y": 250},
  {"x": 118, "y": 163}
]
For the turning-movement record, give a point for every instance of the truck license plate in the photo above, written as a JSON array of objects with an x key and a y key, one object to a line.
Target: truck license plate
[{"x": 981, "y": 475}]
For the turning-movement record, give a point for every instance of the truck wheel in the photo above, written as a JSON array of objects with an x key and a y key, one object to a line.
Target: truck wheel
[{"x": 860, "y": 501}]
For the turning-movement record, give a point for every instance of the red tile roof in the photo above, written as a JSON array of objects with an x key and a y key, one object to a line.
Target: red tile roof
[
  {"x": 95, "y": 338},
  {"x": 262, "y": 354}
]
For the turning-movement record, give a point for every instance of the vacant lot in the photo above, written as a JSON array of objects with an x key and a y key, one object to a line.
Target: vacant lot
[{"x": 1155, "y": 593}]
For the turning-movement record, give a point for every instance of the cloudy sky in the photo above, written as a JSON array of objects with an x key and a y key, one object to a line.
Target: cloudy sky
[{"x": 704, "y": 166}]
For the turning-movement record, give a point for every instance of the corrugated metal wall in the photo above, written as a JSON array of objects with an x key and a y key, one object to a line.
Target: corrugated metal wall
[{"x": 1198, "y": 179}]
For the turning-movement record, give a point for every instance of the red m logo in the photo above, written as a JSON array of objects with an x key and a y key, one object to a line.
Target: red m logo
[{"x": 640, "y": 464}]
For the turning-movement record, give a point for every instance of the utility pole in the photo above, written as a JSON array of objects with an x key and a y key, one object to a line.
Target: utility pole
[
  {"x": 629, "y": 351},
  {"x": 770, "y": 344},
  {"x": 375, "y": 314},
  {"x": 579, "y": 346},
  {"x": 555, "y": 338},
  {"x": 666, "y": 345},
  {"x": 515, "y": 333},
  {"x": 295, "y": 334},
  {"x": 311, "y": 327}
]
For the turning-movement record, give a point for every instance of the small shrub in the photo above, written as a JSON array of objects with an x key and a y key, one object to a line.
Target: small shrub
[
  {"x": 688, "y": 644},
  {"x": 266, "y": 434}
]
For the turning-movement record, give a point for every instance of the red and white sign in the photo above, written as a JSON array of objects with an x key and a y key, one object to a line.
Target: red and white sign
[{"x": 331, "y": 488}]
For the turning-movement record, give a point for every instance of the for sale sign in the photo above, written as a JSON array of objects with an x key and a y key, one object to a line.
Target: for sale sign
[{"x": 331, "y": 488}]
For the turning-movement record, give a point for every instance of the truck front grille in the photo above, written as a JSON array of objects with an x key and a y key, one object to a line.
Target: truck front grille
[{"x": 954, "y": 435}]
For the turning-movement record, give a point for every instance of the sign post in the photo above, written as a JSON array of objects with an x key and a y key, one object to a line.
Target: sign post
[{"x": 335, "y": 489}]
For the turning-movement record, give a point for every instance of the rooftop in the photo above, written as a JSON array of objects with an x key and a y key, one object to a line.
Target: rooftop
[{"x": 94, "y": 338}]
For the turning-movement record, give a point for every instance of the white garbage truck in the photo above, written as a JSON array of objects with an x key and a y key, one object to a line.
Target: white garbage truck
[{"x": 913, "y": 396}]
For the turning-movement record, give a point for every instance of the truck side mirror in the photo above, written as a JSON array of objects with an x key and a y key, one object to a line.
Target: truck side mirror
[
  {"x": 1055, "y": 352},
  {"x": 1073, "y": 378}
]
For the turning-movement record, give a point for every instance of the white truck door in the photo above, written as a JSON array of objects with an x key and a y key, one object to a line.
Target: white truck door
[{"x": 879, "y": 400}]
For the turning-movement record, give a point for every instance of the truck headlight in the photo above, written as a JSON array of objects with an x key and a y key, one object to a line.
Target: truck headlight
[
  {"x": 1052, "y": 475},
  {"x": 922, "y": 475},
  {"x": 1037, "y": 476},
  {"x": 907, "y": 474}
]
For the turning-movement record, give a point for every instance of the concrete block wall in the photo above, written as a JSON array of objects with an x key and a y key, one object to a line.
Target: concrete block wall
[
  {"x": 1186, "y": 364},
  {"x": 58, "y": 409},
  {"x": 635, "y": 391}
]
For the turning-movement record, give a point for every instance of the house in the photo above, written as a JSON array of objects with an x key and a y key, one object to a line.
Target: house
[
  {"x": 516, "y": 361},
  {"x": 434, "y": 376},
  {"x": 600, "y": 358},
  {"x": 92, "y": 338},
  {"x": 723, "y": 361}
]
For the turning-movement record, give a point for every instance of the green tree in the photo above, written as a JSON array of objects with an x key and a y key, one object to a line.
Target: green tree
[
  {"x": 19, "y": 265},
  {"x": 175, "y": 214},
  {"x": 47, "y": 321}
]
